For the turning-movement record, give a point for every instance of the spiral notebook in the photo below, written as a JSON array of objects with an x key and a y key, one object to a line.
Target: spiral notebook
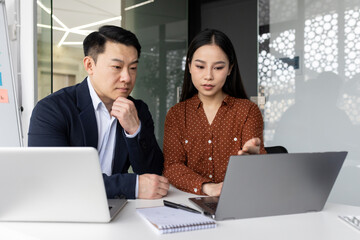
[
  {"x": 352, "y": 220},
  {"x": 170, "y": 220}
]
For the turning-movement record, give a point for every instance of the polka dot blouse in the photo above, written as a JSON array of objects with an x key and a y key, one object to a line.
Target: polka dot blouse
[{"x": 196, "y": 152}]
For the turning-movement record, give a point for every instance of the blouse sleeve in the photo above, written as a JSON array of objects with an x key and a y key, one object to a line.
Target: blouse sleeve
[
  {"x": 253, "y": 127},
  {"x": 175, "y": 168}
]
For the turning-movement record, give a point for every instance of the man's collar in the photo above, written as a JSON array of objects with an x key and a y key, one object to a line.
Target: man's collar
[{"x": 96, "y": 101}]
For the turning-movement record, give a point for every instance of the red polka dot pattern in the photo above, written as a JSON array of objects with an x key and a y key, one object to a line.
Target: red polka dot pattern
[{"x": 196, "y": 152}]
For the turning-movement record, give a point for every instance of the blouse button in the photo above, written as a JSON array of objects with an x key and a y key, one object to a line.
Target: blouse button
[
  {"x": 235, "y": 139},
  {"x": 210, "y": 176},
  {"x": 209, "y": 141},
  {"x": 195, "y": 189},
  {"x": 186, "y": 141},
  {"x": 210, "y": 158}
]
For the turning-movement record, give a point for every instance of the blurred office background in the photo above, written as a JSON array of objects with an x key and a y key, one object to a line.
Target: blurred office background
[{"x": 299, "y": 59}]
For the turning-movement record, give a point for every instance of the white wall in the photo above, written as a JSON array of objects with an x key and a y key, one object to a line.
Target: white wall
[
  {"x": 21, "y": 16},
  {"x": 28, "y": 60}
]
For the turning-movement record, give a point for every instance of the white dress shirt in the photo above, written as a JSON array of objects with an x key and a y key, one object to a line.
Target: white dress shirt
[{"x": 106, "y": 125}]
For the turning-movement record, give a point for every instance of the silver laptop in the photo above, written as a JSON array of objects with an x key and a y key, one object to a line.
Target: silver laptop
[
  {"x": 274, "y": 184},
  {"x": 54, "y": 184}
]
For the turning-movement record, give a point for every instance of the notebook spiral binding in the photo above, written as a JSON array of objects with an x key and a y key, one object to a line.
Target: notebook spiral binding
[{"x": 184, "y": 227}]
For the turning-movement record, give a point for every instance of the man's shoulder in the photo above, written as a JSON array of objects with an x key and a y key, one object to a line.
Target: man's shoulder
[
  {"x": 63, "y": 95},
  {"x": 63, "y": 98}
]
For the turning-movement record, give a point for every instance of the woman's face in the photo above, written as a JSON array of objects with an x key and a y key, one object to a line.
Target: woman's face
[{"x": 209, "y": 68}]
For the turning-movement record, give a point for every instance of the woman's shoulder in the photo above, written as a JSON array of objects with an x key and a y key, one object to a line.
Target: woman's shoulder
[
  {"x": 178, "y": 107},
  {"x": 242, "y": 103},
  {"x": 175, "y": 112},
  {"x": 181, "y": 107}
]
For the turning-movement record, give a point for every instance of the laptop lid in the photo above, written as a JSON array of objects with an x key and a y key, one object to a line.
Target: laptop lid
[
  {"x": 277, "y": 184},
  {"x": 56, "y": 184}
]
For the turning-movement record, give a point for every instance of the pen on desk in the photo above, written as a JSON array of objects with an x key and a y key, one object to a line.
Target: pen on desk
[{"x": 179, "y": 206}]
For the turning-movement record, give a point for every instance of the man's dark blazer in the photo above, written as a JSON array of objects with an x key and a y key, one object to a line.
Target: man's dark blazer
[{"x": 67, "y": 118}]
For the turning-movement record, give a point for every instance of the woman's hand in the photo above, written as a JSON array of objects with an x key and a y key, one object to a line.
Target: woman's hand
[
  {"x": 251, "y": 147},
  {"x": 212, "y": 189}
]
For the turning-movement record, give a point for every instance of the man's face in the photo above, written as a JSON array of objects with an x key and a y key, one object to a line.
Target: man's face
[{"x": 114, "y": 73}]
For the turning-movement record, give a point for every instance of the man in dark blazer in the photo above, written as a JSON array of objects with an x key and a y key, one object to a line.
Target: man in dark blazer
[{"x": 100, "y": 113}]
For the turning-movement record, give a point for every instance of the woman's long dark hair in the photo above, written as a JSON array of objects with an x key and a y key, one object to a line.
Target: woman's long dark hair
[{"x": 233, "y": 84}]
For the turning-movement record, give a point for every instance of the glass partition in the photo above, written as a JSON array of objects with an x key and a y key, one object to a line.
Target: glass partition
[
  {"x": 309, "y": 74},
  {"x": 44, "y": 48},
  {"x": 161, "y": 27}
]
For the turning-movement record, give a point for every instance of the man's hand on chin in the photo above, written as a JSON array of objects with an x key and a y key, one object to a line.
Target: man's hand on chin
[{"x": 125, "y": 111}]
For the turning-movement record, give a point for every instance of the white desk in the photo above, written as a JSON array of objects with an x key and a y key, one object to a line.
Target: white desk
[{"x": 128, "y": 224}]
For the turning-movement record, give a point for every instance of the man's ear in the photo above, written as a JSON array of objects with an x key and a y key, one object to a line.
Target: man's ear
[{"x": 89, "y": 64}]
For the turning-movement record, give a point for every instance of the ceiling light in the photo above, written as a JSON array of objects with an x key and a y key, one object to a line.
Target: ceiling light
[
  {"x": 43, "y": 7},
  {"x": 75, "y": 30},
  {"x": 79, "y": 29},
  {"x": 139, "y": 4},
  {"x": 98, "y": 23},
  {"x": 71, "y": 30},
  {"x": 63, "y": 39},
  {"x": 72, "y": 43}
]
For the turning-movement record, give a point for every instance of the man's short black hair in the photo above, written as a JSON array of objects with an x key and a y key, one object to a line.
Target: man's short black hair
[{"x": 94, "y": 43}]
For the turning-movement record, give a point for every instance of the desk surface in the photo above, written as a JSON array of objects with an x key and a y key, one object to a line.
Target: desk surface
[{"x": 129, "y": 225}]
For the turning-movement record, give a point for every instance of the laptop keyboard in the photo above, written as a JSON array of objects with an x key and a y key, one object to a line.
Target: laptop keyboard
[{"x": 211, "y": 205}]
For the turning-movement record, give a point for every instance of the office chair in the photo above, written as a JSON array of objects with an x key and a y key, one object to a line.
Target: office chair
[{"x": 276, "y": 149}]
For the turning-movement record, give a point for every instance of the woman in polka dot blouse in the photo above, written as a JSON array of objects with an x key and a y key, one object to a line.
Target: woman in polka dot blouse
[{"x": 213, "y": 120}]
